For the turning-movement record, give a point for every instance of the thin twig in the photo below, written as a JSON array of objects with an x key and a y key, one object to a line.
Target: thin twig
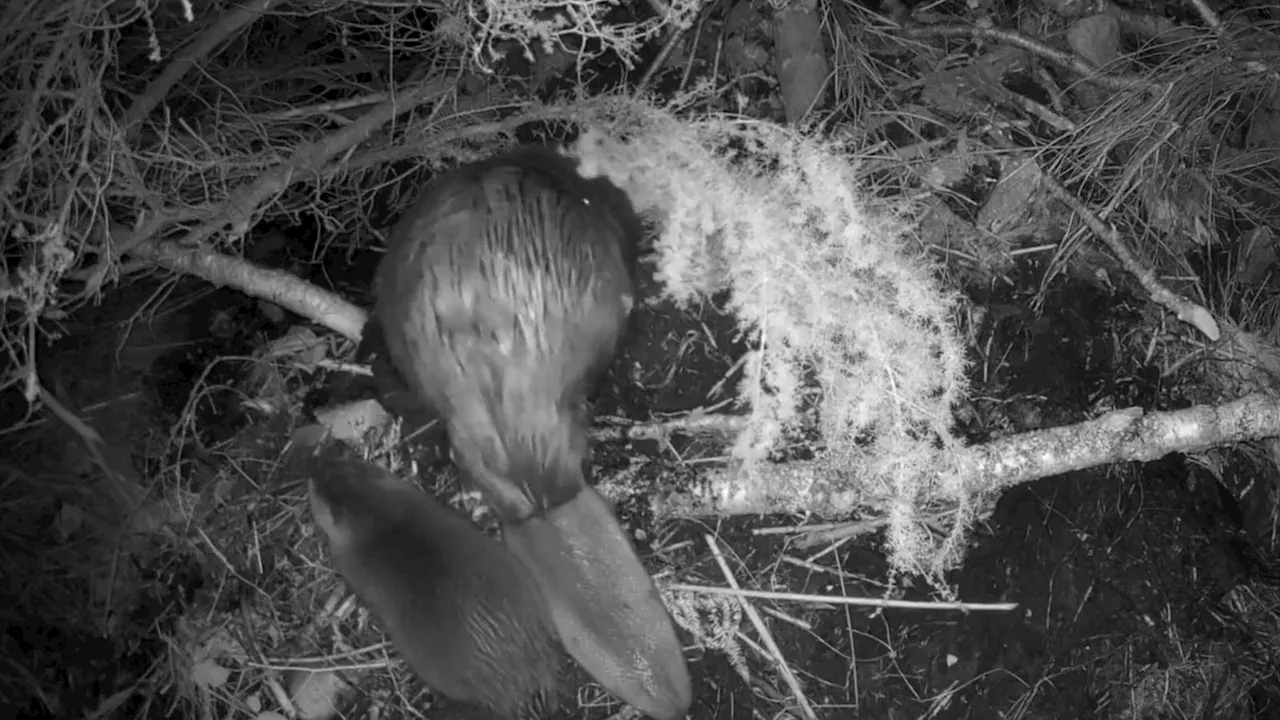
[
  {"x": 841, "y": 600},
  {"x": 1035, "y": 46},
  {"x": 763, "y": 630},
  {"x": 677, "y": 34}
]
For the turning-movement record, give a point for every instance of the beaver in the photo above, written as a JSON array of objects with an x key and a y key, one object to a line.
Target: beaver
[
  {"x": 605, "y": 607},
  {"x": 464, "y": 613},
  {"x": 501, "y": 300}
]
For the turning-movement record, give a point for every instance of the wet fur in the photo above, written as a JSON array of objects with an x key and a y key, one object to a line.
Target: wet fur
[
  {"x": 465, "y": 614},
  {"x": 502, "y": 298}
]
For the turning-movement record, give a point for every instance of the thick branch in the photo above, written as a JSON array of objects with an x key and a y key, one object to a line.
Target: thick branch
[
  {"x": 1120, "y": 436},
  {"x": 277, "y": 286}
]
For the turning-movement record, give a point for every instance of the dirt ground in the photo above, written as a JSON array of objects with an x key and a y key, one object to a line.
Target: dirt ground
[{"x": 1132, "y": 582}]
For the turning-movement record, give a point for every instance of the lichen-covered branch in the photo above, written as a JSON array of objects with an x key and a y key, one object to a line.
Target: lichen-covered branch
[{"x": 1120, "y": 436}]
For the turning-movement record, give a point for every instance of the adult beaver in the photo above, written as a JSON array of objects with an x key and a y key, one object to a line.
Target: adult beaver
[{"x": 501, "y": 300}]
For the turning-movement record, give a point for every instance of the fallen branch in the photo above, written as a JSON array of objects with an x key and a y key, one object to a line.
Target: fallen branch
[
  {"x": 844, "y": 600},
  {"x": 277, "y": 286},
  {"x": 1187, "y": 311},
  {"x": 1121, "y": 436},
  {"x": 284, "y": 289}
]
